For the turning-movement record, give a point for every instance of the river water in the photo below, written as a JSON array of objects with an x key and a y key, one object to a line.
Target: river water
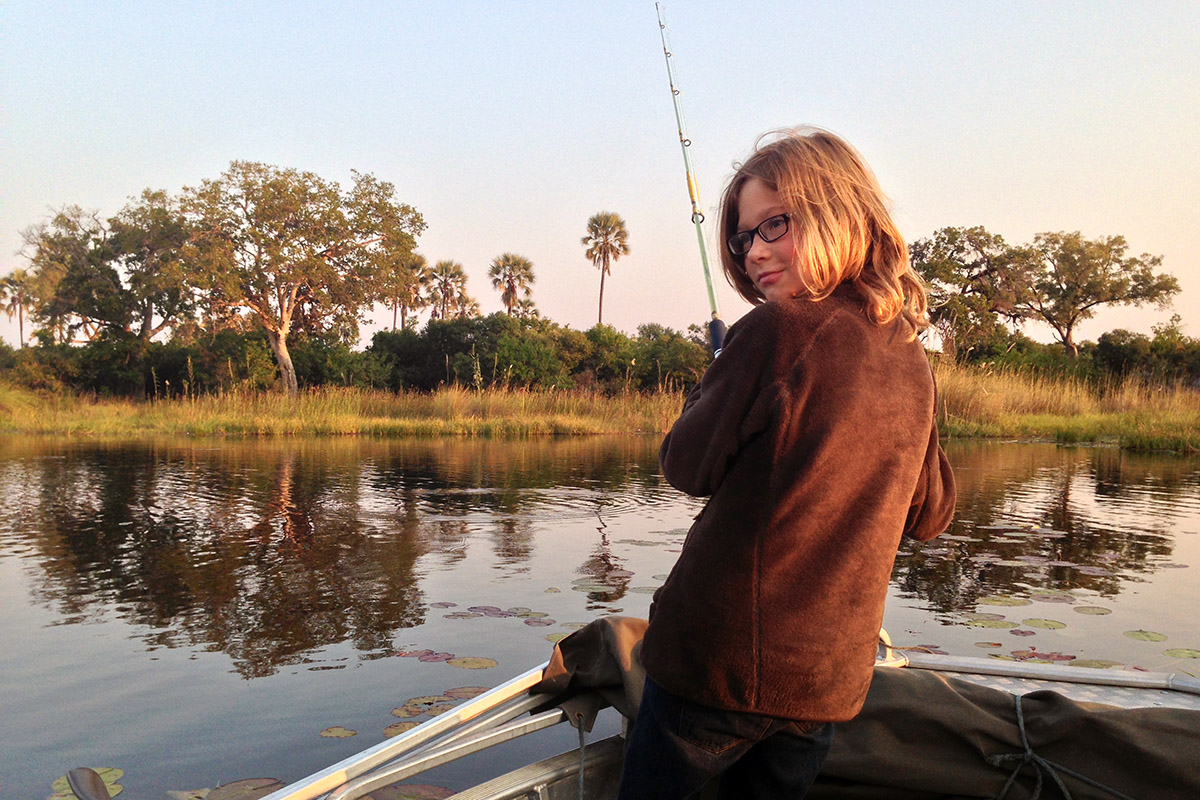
[{"x": 195, "y": 613}]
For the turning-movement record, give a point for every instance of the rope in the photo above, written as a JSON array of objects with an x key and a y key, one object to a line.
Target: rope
[{"x": 1041, "y": 766}]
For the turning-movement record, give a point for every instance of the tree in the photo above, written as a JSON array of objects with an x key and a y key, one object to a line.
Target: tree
[
  {"x": 16, "y": 292},
  {"x": 448, "y": 291},
  {"x": 1068, "y": 277},
  {"x": 295, "y": 250},
  {"x": 406, "y": 285},
  {"x": 974, "y": 280},
  {"x": 606, "y": 241},
  {"x": 76, "y": 289},
  {"x": 147, "y": 240},
  {"x": 512, "y": 275}
]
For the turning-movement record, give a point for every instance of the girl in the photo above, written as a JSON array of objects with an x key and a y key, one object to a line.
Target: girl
[{"x": 813, "y": 436}]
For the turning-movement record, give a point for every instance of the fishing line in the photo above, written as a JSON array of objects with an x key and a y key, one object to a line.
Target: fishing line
[{"x": 716, "y": 327}]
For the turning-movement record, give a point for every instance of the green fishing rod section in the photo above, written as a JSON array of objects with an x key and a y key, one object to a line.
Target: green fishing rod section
[{"x": 716, "y": 327}]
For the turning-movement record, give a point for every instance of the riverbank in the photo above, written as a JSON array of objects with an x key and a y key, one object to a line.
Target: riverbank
[
  {"x": 972, "y": 403},
  {"x": 978, "y": 402}
]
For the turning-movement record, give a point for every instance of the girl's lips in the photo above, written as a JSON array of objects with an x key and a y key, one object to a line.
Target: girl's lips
[{"x": 767, "y": 278}]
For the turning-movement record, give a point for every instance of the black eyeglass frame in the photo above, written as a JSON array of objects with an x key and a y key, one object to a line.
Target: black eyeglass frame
[{"x": 747, "y": 236}]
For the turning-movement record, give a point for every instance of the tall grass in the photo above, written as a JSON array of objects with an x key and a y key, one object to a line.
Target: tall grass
[
  {"x": 972, "y": 402},
  {"x": 449, "y": 411},
  {"x": 1005, "y": 403}
]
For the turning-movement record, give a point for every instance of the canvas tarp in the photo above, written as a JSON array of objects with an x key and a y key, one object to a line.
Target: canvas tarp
[{"x": 921, "y": 734}]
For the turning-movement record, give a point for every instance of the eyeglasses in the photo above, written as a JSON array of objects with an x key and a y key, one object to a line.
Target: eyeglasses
[{"x": 768, "y": 230}]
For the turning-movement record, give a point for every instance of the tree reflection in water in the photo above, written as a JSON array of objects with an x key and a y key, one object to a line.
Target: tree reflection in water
[
  {"x": 270, "y": 551},
  {"x": 1039, "y": 518}
]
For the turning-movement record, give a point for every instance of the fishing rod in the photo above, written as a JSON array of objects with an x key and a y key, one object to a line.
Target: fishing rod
[{"x": 716, "y": 327}]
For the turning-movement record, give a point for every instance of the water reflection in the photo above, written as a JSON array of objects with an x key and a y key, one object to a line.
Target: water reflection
[
  {"x": 269, "y": 551},
  {"x": 1039, "y": 518}
]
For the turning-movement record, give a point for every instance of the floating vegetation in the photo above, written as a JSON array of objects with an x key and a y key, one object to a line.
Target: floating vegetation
[
  {"x": 552, "y": 590},
  {"x": 397, "y": 728},
  {"x": 1048, "y": 624},
  {"x": 466, "y": 692},
  {"x": 999, "y": 600},
  {"x": 1022, "y": 632},
  {"x": 991, "y": 623},
  {"x": 554, "y": 638},
  {"x": 443, "y": 604},
  {"x": 432, "y": 705},
  {"x": 539, "y": 623},
  {"x": 1098, "y": 571},
  {"x": 1146, "y": 636},
  {"x": 110, "y": 776},
  {"x": 461, "y": 615},
  {"x": 338, "y": 732},
  {"x": 1182, "y": 652},
  {"x": 473, "y": 662},
  {"x": 1093, "y": 611}
]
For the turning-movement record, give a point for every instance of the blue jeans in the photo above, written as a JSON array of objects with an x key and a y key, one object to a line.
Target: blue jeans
[{"x": 677, "y": 746}]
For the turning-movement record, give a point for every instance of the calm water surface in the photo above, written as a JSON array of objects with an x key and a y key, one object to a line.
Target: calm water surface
[{"x": 196, "y": 613}]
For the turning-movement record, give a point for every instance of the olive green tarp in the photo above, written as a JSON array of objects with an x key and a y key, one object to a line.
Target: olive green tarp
[{"x": 923, "y": 735}]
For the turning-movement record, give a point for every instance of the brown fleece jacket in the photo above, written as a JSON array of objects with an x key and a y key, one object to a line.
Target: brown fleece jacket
[{"x": 813, "y": 433}]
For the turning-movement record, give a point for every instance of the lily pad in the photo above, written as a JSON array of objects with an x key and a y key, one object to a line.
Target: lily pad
[
  {"x": 552, "y": 590},
  {"x": 247, "y": 789},
  {"x": 989, "y": 645},
  {"x": 1001, "y": 600},
  {"x": 539, "y": 623},
  {"x": 443, "y": 604},
  {"x": 397, "y": 728},
  {"x": 1101, "y": 571},
  {"x": 982, "y": 615},
  {"x": 462, "y": 615},
  {"x": 991, "y": 623},
  {"x": 110, "y": 776},
  {"x": 556, "y": 637},
  {"x": 1146, "y": 636},
  {"x": 1022, "y": 632},
  {"x": 466, "y": 692},
  {"x": 338, "y": 732},
  {"x": 473, "y": 662},
  {"x": 1047, "y": 624},
  {"x": 430, "y": 704},
  {"x": 1094, "y": 611},
  {"x": 435, "y": 657},
  {"x": 1182, "y": 652},
  {"x": 188, "y": 794},
  {"x": 573, "y": 625}
]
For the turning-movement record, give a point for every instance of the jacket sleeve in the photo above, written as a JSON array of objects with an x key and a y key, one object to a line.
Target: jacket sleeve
[
  {"x": 933, "y": 500},
  {"x": 731, "y": 404}
]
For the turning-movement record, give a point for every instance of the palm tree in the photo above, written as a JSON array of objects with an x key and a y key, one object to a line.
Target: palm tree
[
  {"x": 407, "y": 286},
  {"x": 512, "y": 275},
  {"x": 16, "y": 292},
  {"x": 448, "y": 289},
  {"x": 606, "y": 241}
]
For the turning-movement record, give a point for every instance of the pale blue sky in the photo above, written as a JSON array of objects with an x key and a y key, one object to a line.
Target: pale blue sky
[{"x": 507, "y": 124}]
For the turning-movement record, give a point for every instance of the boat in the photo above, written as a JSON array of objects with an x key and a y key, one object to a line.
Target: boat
[{"x": 933, "y": 725}]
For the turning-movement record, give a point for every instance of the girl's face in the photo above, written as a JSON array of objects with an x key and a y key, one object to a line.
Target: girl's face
[{"x": 772, "y": 266}]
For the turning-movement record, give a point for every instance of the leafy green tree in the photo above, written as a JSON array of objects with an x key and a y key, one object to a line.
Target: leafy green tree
[
  {"x": 76, "y": 289},
  {"x": 16, "y": 292},
  {"x": 513, "y": 276},
  {"x": 294, "y": 250},
  {"x": 448, "y": 291},
  {"x": 975, "y": 279},
  {"x": 1069, "y": 277},
  {"x": 147, "y": 240},
  {"x": 606, "y": 241}
]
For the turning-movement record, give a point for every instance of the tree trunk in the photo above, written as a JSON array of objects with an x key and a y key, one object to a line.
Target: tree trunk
[
  {"x": 395, "y": 309},
  {"x": 600, "y": 314},
  {"x": 21, "y": 323},
  {"x": 284, "y": 359}
]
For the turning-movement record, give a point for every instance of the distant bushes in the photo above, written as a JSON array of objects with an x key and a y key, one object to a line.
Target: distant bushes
[{"x": 497, "y": 351}]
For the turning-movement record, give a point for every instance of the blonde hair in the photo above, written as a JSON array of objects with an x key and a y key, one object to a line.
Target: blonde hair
[{"x": 842, "y": 228}]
